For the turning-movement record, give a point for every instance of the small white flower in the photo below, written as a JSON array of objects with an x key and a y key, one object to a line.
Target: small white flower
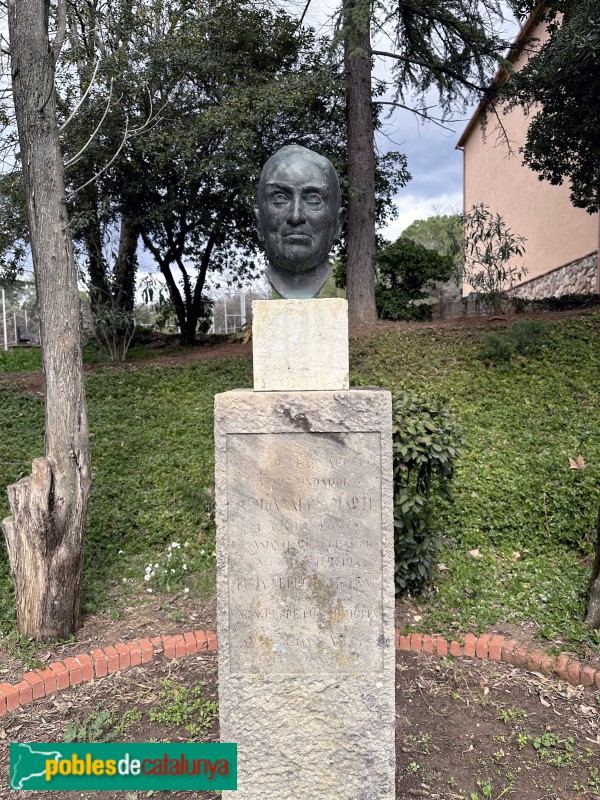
[
  {"x": 156, "y": 566},
  {"x": 184, "y": 566},
  {"x": 186, "y": 590},
  {"x": 120, "y": 553},
  {"x": 147, "y": 576},
  {"x": 172, "y": 572},
  {"x": 185, "y": 544},
  {"x": 149, "y": 590},
  {"x": 202, "y": 552},
  {"x": 175, "y": 544}
]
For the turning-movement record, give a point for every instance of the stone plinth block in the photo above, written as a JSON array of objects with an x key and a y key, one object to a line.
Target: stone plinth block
[
  {"x": 306, "y": 592},
  {"x": 300, "y": 344}
]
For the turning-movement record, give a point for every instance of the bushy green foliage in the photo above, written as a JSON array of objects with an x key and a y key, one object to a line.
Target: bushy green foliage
[
  {"x": 523, "y": 338},
  {"x": 439, "y": 232},
  {"x": 564, "y": 302},
  {"x": 180, "y": 705},
  {"x": 405, "y": 270},
  {"x": 496, "y": 347},
  {"x": 489, "y": 252},
  {"x": 425, "y": 446}
]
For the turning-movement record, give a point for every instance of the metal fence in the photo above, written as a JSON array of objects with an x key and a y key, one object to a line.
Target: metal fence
[
  {"x": 232, "y": 312},
  {"x": 19, "y": 328}
]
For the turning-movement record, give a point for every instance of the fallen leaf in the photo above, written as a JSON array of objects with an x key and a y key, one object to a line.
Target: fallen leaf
[
  {"x": 588, "y": 710},
  {"x": 475, "y": 553},
  {"x": 577, "y": 463},
  {"x": 2, "y": 734},
  {"x": 516, "y": 555},
  {"x": 545, "y": 703},
  {"x": 417, "y": 617},
  {"x": 442, "y": 567}
]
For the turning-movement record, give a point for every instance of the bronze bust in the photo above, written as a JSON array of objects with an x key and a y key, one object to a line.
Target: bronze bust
[{"x": 299, "y": 217}]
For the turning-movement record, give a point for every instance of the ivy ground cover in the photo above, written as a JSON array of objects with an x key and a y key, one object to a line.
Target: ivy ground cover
[{"x": 515, "y": 542}]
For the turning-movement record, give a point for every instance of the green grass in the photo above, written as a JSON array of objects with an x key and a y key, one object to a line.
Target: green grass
[
  {"x": 21, "y": 359},
  {"x": 29, "y": 359},
  {"x": 152, "y": 461},
  {"x": 514, "y": 489},
  {"x": 152, "y": 451}
]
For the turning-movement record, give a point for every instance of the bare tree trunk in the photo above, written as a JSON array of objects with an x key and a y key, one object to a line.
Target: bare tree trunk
[
  {"x": 360, "y": 275},
  {"x": 46, "y": 531},
  {"x": 126, "y": 264}
]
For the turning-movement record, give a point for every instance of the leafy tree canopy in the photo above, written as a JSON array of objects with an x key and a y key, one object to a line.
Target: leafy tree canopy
[
  {"x": 405, "y": 272},
  {"x": 440, "y": 232},
  {"x": 559, "y": 86},
  {"x": 191, "y": 100}
]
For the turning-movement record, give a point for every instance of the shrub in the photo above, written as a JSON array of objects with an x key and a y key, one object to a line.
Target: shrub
[
  {"x": 525, "y": 337},
  {"x": 426, "y": 445},
  {"x": 496, "y": 347},
  {"x": 565, "y": 302},
  {"x": 405, "y": 271},
  {"x": 489, "y": 250}
]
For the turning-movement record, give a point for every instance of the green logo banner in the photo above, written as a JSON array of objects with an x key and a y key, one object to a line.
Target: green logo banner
[{"x": 123, "y": 766}]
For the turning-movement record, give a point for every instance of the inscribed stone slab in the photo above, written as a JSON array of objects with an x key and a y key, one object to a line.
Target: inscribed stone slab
[
  {"x": 300, "y": 344},
  {"x": 305, "y": 592}
]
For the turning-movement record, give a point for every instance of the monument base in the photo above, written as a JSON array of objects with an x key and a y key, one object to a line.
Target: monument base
[
  {"x": 300, "y": 344},
  {"x": 305, "y": 592}
]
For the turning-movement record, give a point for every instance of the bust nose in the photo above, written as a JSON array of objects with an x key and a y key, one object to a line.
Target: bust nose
[{"x": 296, "y": 214}]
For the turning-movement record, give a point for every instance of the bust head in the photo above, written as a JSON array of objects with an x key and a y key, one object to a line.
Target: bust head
[{"x": 299, "y": 216}]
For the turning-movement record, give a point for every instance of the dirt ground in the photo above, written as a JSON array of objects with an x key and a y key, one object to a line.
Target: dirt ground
[
  {"x": 465, "y": 728},
  {"x": 218, "y": 347}
]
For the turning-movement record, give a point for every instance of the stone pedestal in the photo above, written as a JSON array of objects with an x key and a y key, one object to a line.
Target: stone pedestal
[
  {"x": 300, "y": 344},
  {"x": 305, "y": 592}
]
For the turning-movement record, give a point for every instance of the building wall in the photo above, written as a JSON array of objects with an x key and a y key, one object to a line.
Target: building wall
[{"x": 556, "y": 232}]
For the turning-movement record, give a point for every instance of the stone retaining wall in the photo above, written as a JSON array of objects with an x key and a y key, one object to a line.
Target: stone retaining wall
[{"x": 576, "y": 277}]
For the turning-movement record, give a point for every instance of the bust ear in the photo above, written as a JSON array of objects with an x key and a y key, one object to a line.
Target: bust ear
[
  {"x": 259, "y": 226},
  {"x": 342, "y": 214}
]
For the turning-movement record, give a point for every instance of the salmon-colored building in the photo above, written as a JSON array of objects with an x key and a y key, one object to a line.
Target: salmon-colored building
[{"x": 561, "y": 251}]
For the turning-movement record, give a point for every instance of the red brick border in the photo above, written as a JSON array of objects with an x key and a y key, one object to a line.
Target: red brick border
[{"x": 101, "y": 662}]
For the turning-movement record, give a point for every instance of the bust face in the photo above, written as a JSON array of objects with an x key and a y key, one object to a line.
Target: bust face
[{"x": 298, "y": 215}]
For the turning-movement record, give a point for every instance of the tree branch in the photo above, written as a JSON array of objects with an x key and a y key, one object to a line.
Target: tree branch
[
  {"x": 423, "y": 114},
  {"x": 438, "y": 67},
  {"x": 77, "y": 156},
  {"x": 82, "y": 98},
  {"x": 301, "y": 20},
  {"x": 105, "y": 167},
  {"x": 61, "y": 30}
]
